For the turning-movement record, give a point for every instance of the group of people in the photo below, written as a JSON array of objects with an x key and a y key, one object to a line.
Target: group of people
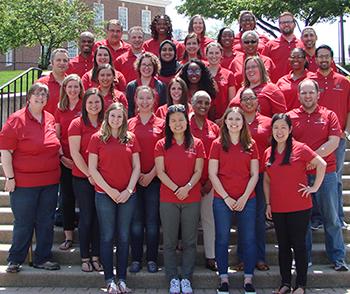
[{"x": 163, "y": 133}]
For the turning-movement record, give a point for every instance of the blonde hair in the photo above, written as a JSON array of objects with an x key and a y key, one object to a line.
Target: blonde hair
[
  {"x": 63, "y": 103},
  {"x": 106, "y": 132}
]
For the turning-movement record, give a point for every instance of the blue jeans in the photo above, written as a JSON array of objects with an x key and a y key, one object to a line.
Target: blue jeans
[
  {"x": 114, "y": 220},
  {"x": 34, "y": 210},
  {"x": 89, "y": 236},
  {"x": 327, "y": 201},
  {"x": 340, "y": 155},
  {"x": 146, "y": 216},
  {"x": 260, "y": 227},
  {"x": 246, "y": 229}
]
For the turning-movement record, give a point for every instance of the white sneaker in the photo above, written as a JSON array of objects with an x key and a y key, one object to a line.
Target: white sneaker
[
  {"x": 174, "y": 286},
  {"x": 186, "y": 287}
]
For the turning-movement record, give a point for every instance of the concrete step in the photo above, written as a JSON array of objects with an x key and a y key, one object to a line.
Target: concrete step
[
  {"x": 72, "y": 256},
  {"x": 4, "y": 199},
  {"x": 71, "y": 276}
]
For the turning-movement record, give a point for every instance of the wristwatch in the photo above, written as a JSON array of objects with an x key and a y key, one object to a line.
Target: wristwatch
[{"x": 129, "y": 190}]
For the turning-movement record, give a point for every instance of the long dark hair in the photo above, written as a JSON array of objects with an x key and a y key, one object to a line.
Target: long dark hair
[
  {"x": 245, "y": 138},
  {"x": 188, "y": 141},
  {"x": 289, "y": 142},
  {"x": 190, "y": 24},
  {"x": 206, "y": 82},
  {"x": 94, "y": 68},
  {"x": 184, "y": 96},
  {"x": 84, "y": 113}
]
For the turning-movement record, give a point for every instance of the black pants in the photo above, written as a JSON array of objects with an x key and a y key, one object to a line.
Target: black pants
[
  {"x": 68, "y": 198},
  {"x": 291, "y": 230}
]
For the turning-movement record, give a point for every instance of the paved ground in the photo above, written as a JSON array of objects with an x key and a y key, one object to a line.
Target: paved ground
[{"x": 152, "y": 291}]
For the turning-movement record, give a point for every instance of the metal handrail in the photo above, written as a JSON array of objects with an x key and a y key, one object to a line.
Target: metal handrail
[
  {"x": 343, "y": 70},
  {"x": 13, "y": 93}
]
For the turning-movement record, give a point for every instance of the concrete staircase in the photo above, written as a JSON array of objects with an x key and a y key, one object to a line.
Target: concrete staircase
[{"x": 321, "y": 275}]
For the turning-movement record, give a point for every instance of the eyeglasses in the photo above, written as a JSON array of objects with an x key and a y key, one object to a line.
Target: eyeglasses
[
  {"x": 286, "y": 22},
  {"x": 323, "y": 56},
  {"x": 250, "y": 41},
  {"x": 297, "y": 57},
  {"x": 247, "y": 19},
  {"x": 40, "y": 94},
  {"x": 176, "y": 108},
  {"x": 250, "y": 98},
  {"x": 194, "y": 72}
]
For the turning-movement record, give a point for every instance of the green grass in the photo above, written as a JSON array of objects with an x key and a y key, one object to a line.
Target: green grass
[{"x": 6, "y": 76}]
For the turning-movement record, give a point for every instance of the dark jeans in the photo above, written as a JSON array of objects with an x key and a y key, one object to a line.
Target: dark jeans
[
  {"x": 33, "y": 209},
  {"x": 291, "y": 230},
  {"x": 68, "y": 198},
  {"x": 89, "y": 236},
  {"x": 114, "y": 220},
  {"x": 146, "y": 216}
]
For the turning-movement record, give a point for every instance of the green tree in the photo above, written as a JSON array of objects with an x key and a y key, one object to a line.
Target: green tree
[
  {"x": 308, "y": 11},
  {"x": 49, "y": 23}
]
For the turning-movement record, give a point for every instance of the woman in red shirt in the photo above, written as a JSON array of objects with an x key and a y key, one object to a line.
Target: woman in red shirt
[
  {"x": 177, "y": 94},
  {"x": 30, "y": 159},
  {"x": 69, "y": 107},
  {"x": 168, "y": 61},
  {"x": 225, "y": 39},
  {"x": 179, "y": 163},
  {"x": 106, "y": 77},
  {"x": 79, "y": 134},
  {"x": 234, "y": 172},
  {"x": 197, "y": 26},
  {"x": 114, "y": 164},
  {"x": 148, "y": 129},
  {"x": 288, "y": 198},
  {"x": 192, "y": 48}
]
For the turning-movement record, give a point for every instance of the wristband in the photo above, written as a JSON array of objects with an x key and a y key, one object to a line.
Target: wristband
[
  {"x": 10, "y": 178},
  {"x": 176, "y": 189},
  {"x": 226, "y": 197}
]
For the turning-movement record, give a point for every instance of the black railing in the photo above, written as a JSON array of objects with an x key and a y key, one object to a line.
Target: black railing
[
  {"x": 13, "y": 93},
  {"x": 342, "y": 70}
]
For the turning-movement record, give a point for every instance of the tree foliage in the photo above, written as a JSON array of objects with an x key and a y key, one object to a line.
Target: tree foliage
[
  {"x": 308, "y": 11},
  {"x": 49, "y": 23}
]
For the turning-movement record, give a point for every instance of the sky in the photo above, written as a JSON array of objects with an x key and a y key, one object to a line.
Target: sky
[{"x": 327, "y": 32}]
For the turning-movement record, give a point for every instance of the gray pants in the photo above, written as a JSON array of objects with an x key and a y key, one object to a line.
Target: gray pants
[{"x": 171, "y": 215}]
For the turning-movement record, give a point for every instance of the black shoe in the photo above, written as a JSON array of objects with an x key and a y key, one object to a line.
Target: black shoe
[
  {"x": 223, "y": 289},
  {"x": 135, "y": 267},
  {"x": 340, "y": 267},
  {"x": 249, "y": 288},
  {"x": 48, "y": 265},
  {"x": 152, "y": 267},
  {"x": 13, "y": 267},
  {"x": 210, "y": 264}
]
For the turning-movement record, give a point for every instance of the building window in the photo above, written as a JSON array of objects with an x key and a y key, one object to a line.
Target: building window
[
  {"x": 9, "y": 57},
  {"x": 72, "y": 49},
  {"x": 146, "y": 20},
  {"x": 99, "y": 10},
  {"x": 123, "y": 17}
]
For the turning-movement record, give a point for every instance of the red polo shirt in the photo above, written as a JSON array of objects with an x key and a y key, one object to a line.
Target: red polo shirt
[
  {"x": 322, "y": 123},
  {"x": 279, "y": 50},
  {"x": 125, "y": 64},
  {"x": 35, "y": 148},
  {"x": 270, "y": 97},
  {"x": 64, "y": 118},
  {"x": 285, "y": 180},
  {"x": 152, "y": 45},
  {"x": 312, "y": 66},
  {"x": 115, "y": 53},
  {"x": 238, "y": 46},
  {"x": 237, "y": 65},
  {"x": 88, "y": 83},
  {"x": 260, "y": 129},
  {"x": 226, "y": 61},
  {"x": 209, "y": 132},
  {"x": 234, "y": 167},
  {"x": 118, "y": 97},
  {"x": 78, "y": 128},
  {"x": 80, "y": 65},
  {"x": 334, "y": 94},
  {"x": 54, "y": 92},
  {"x": 224, "y": 79},
  {"x": 147, "y": 135},
  {"x": 179, "y": 165},
  {"x": 289, "y": 88},
  {"x": 114, "y": 160}
]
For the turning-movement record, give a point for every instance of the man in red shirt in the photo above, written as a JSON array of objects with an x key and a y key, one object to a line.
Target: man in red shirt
[
  {"x": 309, "y": 38},
  {"x": 83, "y": 62},
  {"x": 125, "y": 62},
  {"x": 114, "y": 40},
  {"x": 279, "y": 49},
  {"x": 59, "y": 61},
  {"x": 323, "y": 124},
  {"x": 335, "y": 95}
]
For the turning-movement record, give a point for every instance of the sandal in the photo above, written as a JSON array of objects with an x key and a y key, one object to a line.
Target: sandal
[
  {"x": 122, "y": 287},
  {"x": 13, "y": 267},
  {"x": 284, "y": 289},
  {"x": 86, "y": 266},
  {"x": 239, "y": 267},
  {"x": 262, "y": 266},
  {"x": 66, "y": 245},
  {"x": 96, "y": 264},
  {"x": 299, "y": 290}
]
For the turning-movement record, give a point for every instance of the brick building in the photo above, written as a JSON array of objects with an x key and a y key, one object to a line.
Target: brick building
[{"x": 130, "y": 13}]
